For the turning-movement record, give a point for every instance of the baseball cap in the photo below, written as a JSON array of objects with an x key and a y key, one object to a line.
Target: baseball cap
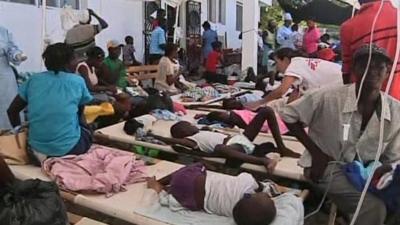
[
  {"x": 288, "y": 16},
  {"x": 114, "y": 44}
]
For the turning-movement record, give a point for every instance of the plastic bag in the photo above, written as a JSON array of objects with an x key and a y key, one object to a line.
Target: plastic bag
[{"x": 32, "y": 202}]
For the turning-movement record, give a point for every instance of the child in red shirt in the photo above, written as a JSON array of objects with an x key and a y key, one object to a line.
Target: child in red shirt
[{"x": 215, "y": 59}]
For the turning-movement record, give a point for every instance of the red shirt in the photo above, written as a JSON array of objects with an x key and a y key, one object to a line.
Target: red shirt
[
  {"x": 213, "y": 61},
  {"x": 356, "y": 32}
]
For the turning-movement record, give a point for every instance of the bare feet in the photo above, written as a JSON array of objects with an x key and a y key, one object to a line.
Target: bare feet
[{"x": 286, "y": 152}]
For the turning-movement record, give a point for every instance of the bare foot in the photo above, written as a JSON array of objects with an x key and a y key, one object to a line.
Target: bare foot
[{"x": 285, "y": 152}]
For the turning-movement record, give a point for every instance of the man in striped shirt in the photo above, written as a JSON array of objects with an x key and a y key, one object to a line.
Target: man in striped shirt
[{"x": 356, "y": 32}]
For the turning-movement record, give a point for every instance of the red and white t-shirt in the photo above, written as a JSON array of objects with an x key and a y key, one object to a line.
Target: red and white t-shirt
[{"x": 314, "y": 73}]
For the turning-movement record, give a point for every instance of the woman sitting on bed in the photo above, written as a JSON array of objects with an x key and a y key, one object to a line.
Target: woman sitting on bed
[
  {"x": 54, "y": 101},
  {"x": 212, "y": 144}
]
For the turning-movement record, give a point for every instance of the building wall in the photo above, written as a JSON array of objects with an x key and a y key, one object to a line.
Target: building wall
[{"x": 25, "y": 22}]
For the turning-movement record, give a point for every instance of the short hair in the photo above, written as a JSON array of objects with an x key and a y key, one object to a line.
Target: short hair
[
  {"x": 254, "y": 211},
  {"x": 170, "y": 48},
  {"x": 207, "y": 25},
  {"x": 361, "y": 62},
  {"x": 95, "y": 53},
  {"x": 287, "y": 53},
  {"x": 127, "y": 38},
  {"x": 178, "y": 130},
  {"x": 216, "y": 45},
  {"x": 327, "y": 36},
  {"x": 57, "y": 56},
  {"x": 214, "y": 116},
  {"x": 295, "y": 27}
]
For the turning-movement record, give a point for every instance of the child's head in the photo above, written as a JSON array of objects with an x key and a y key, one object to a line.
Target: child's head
[
  {"x": 183, "y": 129},
  {"x": 216, "y": 45},
  {"x": 231, "y": 103},
  {"x": 254, "y": 209},
  {"x": 218, "y": 116},
  {"x": 129, "y": 40},
  {"x": 325, "y": 38},
  {"x": 295, "y": 27}
]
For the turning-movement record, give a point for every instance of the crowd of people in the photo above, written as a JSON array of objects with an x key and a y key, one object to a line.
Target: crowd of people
[{"x": 341, "y": 105}]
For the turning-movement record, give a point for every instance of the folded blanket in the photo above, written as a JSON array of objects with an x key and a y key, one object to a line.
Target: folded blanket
[{"x": 101, "y": 170}]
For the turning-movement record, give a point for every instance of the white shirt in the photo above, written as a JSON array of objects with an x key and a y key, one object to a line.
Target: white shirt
[
  {"x": 314, "y": 73},
  {"x": 223, "y": 192},
  {"x": 207, "y": 140},
  {"x": 283, "y": 37},
  {"x": 166, "y": 68}
]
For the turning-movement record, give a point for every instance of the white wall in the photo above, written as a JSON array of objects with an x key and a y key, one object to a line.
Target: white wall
[{"x": 24, "y": 21}]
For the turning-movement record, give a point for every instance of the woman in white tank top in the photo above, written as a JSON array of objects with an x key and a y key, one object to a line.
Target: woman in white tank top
[{"x": 87, "y": 70}]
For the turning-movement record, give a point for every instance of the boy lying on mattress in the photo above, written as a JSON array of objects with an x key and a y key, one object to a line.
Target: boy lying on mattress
[
  {"x": 249, "y": 202},
  {"x": 213, "y": 144},
  {"x": 242, "y": 118}
]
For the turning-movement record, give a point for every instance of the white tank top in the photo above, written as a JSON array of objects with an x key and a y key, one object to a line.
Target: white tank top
[
  {"x": 207, "y": 140},
  {"x": 92, "y": 74}
]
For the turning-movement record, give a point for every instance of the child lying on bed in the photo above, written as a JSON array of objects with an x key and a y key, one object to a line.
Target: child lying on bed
[
  {"x": 242, "y": 197},
  {"x": 212, "y": 144},
  {"x": 242, "y": 118}
]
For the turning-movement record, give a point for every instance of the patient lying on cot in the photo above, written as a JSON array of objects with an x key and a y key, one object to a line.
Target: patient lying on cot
[
  {"x": 242, "y": 197},
  {"x": 242, "y": 118},
  {"x": 214, "y": 144}
]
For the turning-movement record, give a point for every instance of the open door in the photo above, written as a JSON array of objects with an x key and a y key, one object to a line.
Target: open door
[{"x": 193, "y": 34}]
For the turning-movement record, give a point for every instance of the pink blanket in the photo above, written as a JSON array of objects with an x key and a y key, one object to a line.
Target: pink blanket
[{"x": 102, "y": 170}]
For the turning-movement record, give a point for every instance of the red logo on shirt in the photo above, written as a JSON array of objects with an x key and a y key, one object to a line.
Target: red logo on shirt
[{"x": 313, "y": 63}]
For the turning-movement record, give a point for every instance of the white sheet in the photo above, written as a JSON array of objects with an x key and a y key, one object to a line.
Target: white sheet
[
  {"x": 290, "y": 211},
  {"x": 286, "y": 168}
]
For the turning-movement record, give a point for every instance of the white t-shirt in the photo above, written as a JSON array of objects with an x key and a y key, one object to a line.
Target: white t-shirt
[
  {"x": 223, "y": 192},
  {"x": 166, "y": 68},
  {"x": 207, "y": 140},
  {"x": 314, "y": 73}
]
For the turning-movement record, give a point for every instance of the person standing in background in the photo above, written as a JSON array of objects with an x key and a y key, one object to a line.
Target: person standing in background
[
  {"x": 209, "y": 36},
  {"x": 81, "y": 37},
  {"x": 356, "y": 32},
  {"x": 9, "y": 53},
  {"x": 271, "y": 35},
  {"x": 157, "y": 43},
  {"x": 311, "y": 38},
  {"x": 128, "y": 53},
  {"x": 297, "y": 37},
  {"x": 284, "y": 33}
]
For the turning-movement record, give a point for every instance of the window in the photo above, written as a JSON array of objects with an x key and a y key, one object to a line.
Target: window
[
  {"x": 222, "y": 11},
  {"x": 212, "y": 11},
  {"x": 61, "y": 3},
  {"x": 239, "y": 17},
  {"x": 30, "y": 2}
]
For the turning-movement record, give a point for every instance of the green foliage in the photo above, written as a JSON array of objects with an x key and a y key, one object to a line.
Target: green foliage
[{"x": 273, "y": 12}]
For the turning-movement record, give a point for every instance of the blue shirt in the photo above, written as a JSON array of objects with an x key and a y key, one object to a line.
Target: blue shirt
[
  {"x": 209, "y": 36},
  {"x": 157, "y": 39},
  {"x": 53, "y": 102}
]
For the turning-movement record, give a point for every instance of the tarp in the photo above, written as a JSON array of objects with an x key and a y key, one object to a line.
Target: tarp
[{"x": 322, "y": 11}]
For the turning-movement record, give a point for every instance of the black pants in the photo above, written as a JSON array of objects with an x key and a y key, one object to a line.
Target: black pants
[
  {"x": 154, "y": 59},
  {"x": 215, "y": 78}
]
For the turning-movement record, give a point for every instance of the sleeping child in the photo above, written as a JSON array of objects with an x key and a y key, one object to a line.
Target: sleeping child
[
  {"x": 238, "y": 147},
  {"x": 242, "y": 118},
  {"x": 242, "y": 197}
]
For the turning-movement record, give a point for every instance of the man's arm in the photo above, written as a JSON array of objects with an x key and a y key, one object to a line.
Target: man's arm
[
  {"x": 102, "y": 22},
  {"x": 287, "y": 82},
  {"x": 17, "y": 105}
]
